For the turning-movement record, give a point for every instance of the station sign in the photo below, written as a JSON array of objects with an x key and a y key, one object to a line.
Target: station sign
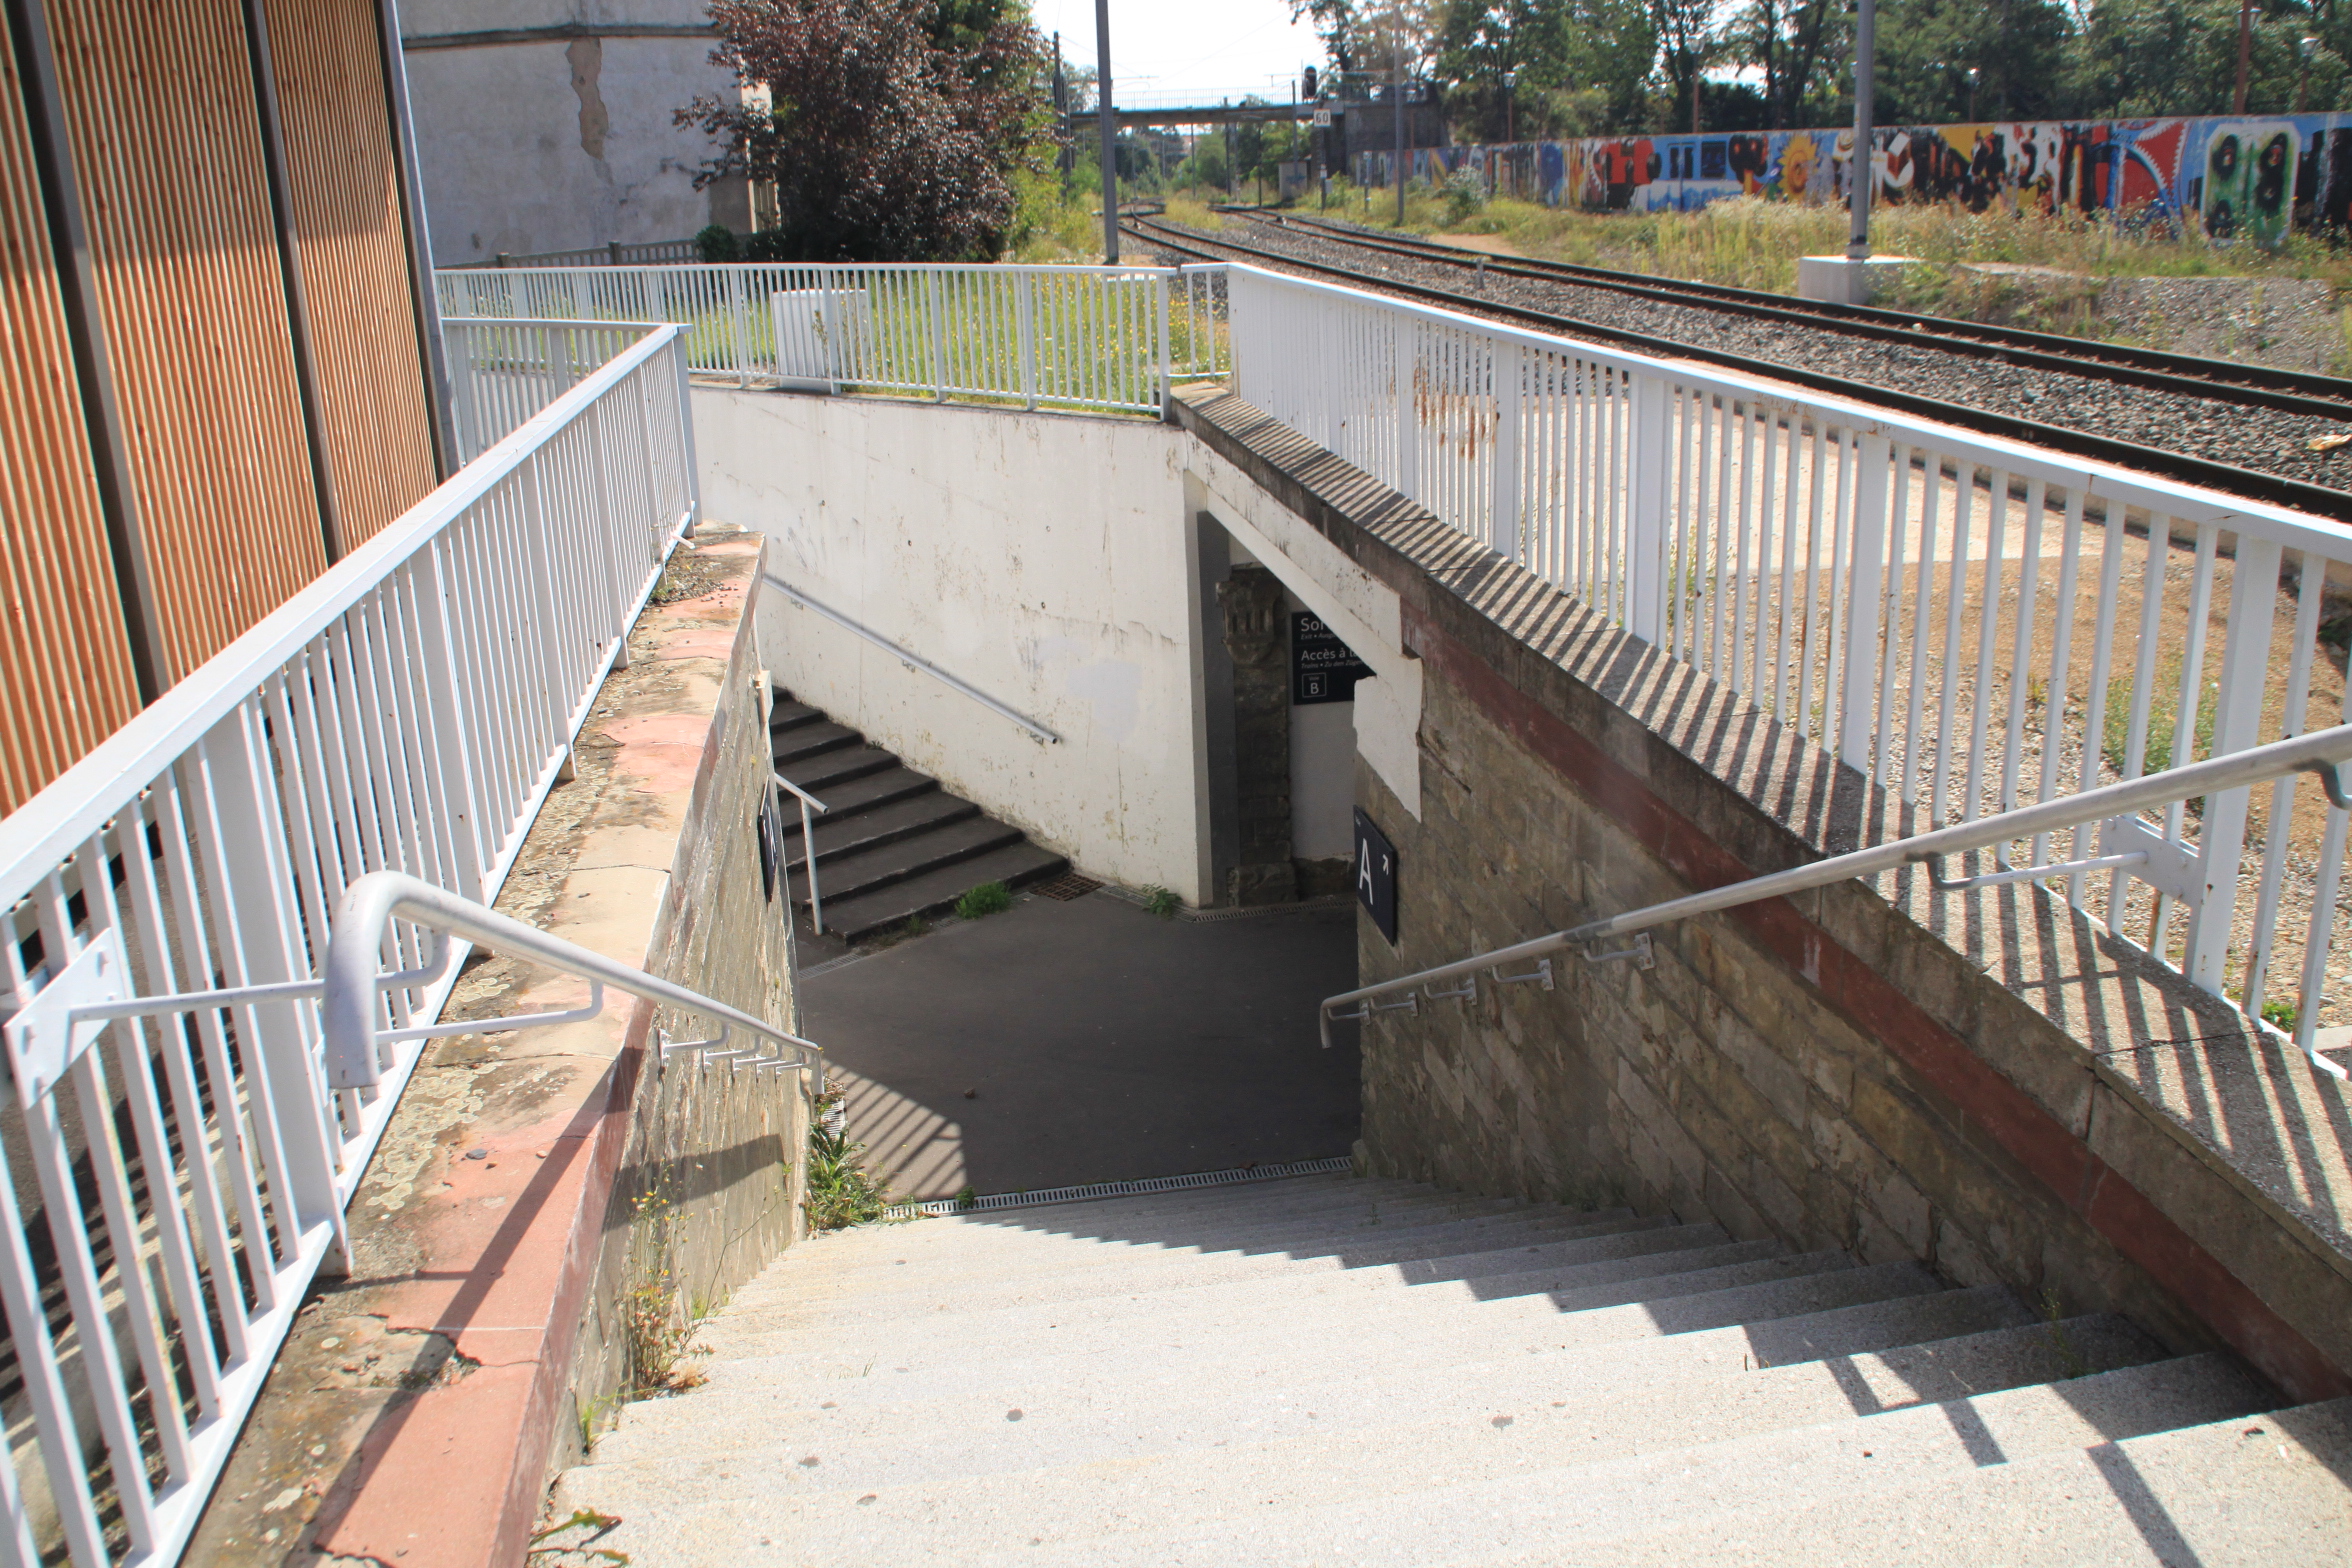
[
  {"x": 1376, "y": 874},
  {"x": 1322, "y": 668}
]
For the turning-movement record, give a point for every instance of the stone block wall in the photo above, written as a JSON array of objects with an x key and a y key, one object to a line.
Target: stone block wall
[
  {"x": 1985, "y": 1082},
  {"x": 710, "y": 1180}
]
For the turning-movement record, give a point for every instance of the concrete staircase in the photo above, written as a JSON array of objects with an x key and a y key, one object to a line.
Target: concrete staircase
[
  {"x": 1335, "y": 1371},
  {"x": 892, "y": 844}
]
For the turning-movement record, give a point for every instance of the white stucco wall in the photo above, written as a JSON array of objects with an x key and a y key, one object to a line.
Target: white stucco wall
[
  {"x": 1044, "y": 559},
  {"x": 561, "y": 142}
]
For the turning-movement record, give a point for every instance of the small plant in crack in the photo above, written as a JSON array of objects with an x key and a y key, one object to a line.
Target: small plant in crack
[
  {"x": 545, "y": 1549},
  {"x": 1161, "y": 902},
  {"x": 2069, "y": 1355},
  {"x": 841, "y": 1191}
]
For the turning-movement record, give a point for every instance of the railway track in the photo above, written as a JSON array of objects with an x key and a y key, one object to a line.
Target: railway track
[{"x": 2241, "y": 429}]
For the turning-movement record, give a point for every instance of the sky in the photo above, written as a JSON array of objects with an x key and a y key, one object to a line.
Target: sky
[{"x": 1217, "y": 48}]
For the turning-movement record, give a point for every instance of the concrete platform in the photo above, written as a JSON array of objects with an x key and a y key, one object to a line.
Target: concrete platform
[{"x": 1104, "y": 1043}]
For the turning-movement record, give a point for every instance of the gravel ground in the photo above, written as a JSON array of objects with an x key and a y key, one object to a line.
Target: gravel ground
[{"x": 2254, "y": 438}]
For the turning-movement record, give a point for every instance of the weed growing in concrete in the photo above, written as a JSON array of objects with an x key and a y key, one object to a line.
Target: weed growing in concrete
[
  {"x": 841, "y": 1192},
  {"x": 2068, "y": 1355},
  {"x": 2281, "y": 1015},
  {"x": 989, "y": 898},
  {"x": 1161, "y": 902},
  {"x": 543, "y": 1549},
  {"x": 654, "y": 1332},
  {"x": 965, "y": 1198},
  {"x": 916, "y": 925}
]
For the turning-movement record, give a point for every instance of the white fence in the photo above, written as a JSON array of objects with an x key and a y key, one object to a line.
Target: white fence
[
  {"x": 1970, "y": 622},
  {"x": 170, "y": 1183},
  {"x": 1101, "y": 339},
  {"x": 503, "y": 372}
]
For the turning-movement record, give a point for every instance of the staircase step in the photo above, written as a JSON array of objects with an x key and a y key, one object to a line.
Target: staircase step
[
  {"x": 787, "y": 714},
  {"x": 1336, "y": 1382},
  {"x": 935, "y": 892},
  {"x": 1558, "y": 1318},
  {"x": 2246, "y": 1492},
  {"x": 1098, "y": 1456},
  {"x": 866, "y": 792},
  {"x": 885, "y": 865},
  {"x": 1430, "y": 1259},
  {"x": 829, "y": 769},
  {"x": 802, "y": 742},
  {"x": 1166, "y": 1297},
  {"x": 1328, "y": 1228},
  {"x": 839, "y": 836}
]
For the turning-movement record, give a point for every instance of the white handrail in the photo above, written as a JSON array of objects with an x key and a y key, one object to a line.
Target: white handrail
[
  {"x": 2322, "y": 752},
  {"x": 1036, "y": 731},
  {"x": 808, "y": 852},
  {"x": 353, "y": 995}
]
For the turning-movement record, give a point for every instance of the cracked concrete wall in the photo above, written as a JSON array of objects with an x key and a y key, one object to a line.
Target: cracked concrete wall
[{"x": 564, "y": 139}]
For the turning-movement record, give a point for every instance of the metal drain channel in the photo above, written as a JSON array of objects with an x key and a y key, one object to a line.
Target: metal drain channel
[{"x": 1117, "y": 1189}]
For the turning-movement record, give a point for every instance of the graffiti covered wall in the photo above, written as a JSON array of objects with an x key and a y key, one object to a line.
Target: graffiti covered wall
[{"x": 2261, "y": 176}]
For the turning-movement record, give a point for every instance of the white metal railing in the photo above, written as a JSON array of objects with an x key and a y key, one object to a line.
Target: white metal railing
[
  {"x": 2125, "y": 842},
  {"x": 503, "y": 372},
  {"x": 1971, "y": 622},
  {"x": 808, "y": 848},
  {"x": 407, "y": 711},
  {"x": 1109, "y": 339}
]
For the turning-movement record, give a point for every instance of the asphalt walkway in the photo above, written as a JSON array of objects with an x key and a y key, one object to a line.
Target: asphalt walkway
[{"x": 1058, "y": 1044}]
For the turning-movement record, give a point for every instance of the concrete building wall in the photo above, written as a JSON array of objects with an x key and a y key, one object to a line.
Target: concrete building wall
[
  {"x": 1043, "y": 559},
  {"x": 546, "y": 124}
]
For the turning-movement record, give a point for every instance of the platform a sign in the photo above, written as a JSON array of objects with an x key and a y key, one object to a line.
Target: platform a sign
[{"x": 1376, "y": 871}]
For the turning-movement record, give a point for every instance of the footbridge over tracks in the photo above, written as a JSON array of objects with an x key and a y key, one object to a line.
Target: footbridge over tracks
[{"x": 2009, "y": 1188}]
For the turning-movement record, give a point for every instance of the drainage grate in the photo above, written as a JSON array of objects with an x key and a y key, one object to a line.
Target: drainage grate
[
  {"x": 1119, "y": 1189},
  {"x": 1069, "y": 885}
]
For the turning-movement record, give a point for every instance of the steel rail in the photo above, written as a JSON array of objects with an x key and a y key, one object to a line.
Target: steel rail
[
  {"x": 2321, "y": 751},
  {"x": 2296, "y": 494},
  {"x": 2189, "y": 375},
  {"x": 352, "y": 983}
]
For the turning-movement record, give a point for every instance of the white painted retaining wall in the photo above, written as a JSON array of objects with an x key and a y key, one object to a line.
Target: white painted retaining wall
[
  {"x": 1042, "y": 558},
  {"x": 1050, "y": 561}
]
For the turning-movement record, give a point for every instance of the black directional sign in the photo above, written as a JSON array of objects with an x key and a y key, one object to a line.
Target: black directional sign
[
  {"x": 1322, "y": 668},
  {"x": 1376, "y": 874}
]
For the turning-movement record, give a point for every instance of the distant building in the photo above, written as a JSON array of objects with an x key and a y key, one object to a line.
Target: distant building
[{"x": 546, "y": 125}]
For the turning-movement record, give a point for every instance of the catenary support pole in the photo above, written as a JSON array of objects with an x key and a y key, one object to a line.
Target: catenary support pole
[
  {"x": 1396, "y": 96},
  {"x": 1858, "y": 171},
  {"x": 1110, "y": 130}
]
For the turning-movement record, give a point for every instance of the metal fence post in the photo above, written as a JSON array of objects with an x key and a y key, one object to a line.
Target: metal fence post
[
  {"x": 1407, "y": 477},
  {"x": 1506, "y": 363},
  {"x": 735, "y": 308},
  {"x": 938, "y": 313},
  {"x": 1649, "y": 490},
  {"x": 2237, "y": 725},
  {"x": 1162, "y": 303},
  {"x": 1025, "y": 311},
  {"x": 1861, "y": 671}
]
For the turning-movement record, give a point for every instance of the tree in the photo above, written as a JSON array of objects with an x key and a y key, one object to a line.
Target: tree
[{"x": 891, "y": 130}]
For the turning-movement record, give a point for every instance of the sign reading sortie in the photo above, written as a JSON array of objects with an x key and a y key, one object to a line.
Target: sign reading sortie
[{"x": 1322, "y": 668}]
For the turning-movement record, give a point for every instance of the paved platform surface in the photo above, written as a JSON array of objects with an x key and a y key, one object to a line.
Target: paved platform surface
[{"x": 1103, "y": 1042}]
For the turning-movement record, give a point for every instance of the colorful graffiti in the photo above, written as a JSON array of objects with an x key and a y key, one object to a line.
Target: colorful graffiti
[{"x": 2261, "y": 177}]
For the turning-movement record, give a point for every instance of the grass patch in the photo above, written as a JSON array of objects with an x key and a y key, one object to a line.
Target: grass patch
[
  {"x": 2163, "y": 720},
  {"x": 989, "y": 898}
]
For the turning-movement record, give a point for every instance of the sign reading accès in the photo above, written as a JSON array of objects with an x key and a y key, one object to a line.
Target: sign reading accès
[
  {"x": 1376, "y": 870},
  {"x": 1322, "y": 668}
]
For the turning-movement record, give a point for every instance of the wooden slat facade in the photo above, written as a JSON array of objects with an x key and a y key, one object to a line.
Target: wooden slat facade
[
  {"x": 66, "y": 677},
  {"x": 194, "y": 469},
  {"x": 327, "y": 58},
  {"x": 166, "y": 137}
]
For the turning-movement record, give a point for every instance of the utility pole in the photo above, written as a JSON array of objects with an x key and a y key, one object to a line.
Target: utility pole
[
  {"x": 1396, "y": 93},
  {"x": 1110, "y": 131},
  {"x": 1061, "y": 103},
  {"x": 1694, "y": 92},
  {"x": 2245, "y": 54},
  {"x": 1858, "y": 172}
]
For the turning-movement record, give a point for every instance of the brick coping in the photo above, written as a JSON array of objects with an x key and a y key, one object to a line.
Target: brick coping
[
  {"x": 2249, "y": 1112},
  {"x": 412, "y": 1411}
]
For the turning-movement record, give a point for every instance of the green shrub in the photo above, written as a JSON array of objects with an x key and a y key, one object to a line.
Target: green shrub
[
  {"x": 1465, "y": 194},
  {"x": 989, "y": 898},
  {"x": 716, "y": 244}
]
